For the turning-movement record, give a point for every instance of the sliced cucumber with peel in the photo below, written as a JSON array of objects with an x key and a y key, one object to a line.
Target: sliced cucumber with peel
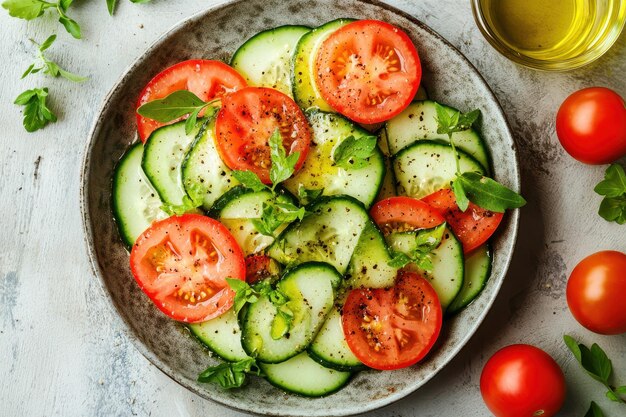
[
  {"x": 302, "y": 375},
  {"x": 477, "y": 271},
  {"x": 136, "y": 203},
  {"x": 222, "y": 336},
  {"x": 319, "y": 171},
  {"x": 419, "y": 121},
  {"x": 426, "y": 166},
  {"x": 265, "y": 59},
  {"x": 330, "y": 233},
  {"x": 305, "y": 91},
  {"x": 448, "y": 270},
  {"x": 310, "y": 291}
]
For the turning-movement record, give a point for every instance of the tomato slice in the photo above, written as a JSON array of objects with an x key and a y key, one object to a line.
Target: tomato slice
[
  {"x": 182, "y": 263},
  {"x": 400, "y": 214},
  {"x": 368, "y": 70},
  {"x": 206, "y": 79},
  {"x": 473, "y": 227},
  {"x": 260, "y": 267},
  {"x": 247, "y": 120},
  {"x": 392, "y": 328}
]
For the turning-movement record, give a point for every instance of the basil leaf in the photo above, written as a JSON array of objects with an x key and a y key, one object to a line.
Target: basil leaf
[
  {"x": 140, "y": 1},
  {"x": 613, "y": 397},
  {"x": 399, "y": 260},
  {"x": 36, "y": 112},
  {"x": 188, "y": 206},
  {"x": 283, "y": 166},
  {"x": 613, "y": 209},
  {"x": 111, "y": 6},
  {"x": 47, "y": 43},
  {"x": 26, "y": 9},
  {"x": 352, "y": 153},
  {"x": 307, "y": 196},
  {"x": 573, "y": 347},
  {"x": 176, "y": 105},
  {"x": 450, "y": 121},
  {"x": 614, "y": 183},
  {"x": 489, "y": 194},
  {"x": 243, "y": 293},
  {"x": 594, "y": 411},
  {"x": 621, "y": 390},
  {"x": 65, "y": 4},
  {"x": 229, "y": 374},
  {"x": 275, "y": 214},
  {"x": 28, "y": 71},
  {"x": 70, "y": 76},
  {"x": 71, "y": 26},
  {"x": 429, "y": 239},
  {"x": 459, "y": 194},
  {"x": 601, "y": 364},
  {"x": 249, "y": 180}
]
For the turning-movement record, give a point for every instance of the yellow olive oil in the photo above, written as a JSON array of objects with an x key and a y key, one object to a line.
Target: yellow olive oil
[{"x": 549, "y": 29}]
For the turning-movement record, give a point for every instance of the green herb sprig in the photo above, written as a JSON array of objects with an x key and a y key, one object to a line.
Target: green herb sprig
[
  {"x": 48, "y": 66},
  {"x": 36, "y": 111},
  {"x": 353, "y": 153},
  {"x": 32, "y": 9},
  {"x": 594, "y": 410},
  {"x": 598, "y": 366},
  {"x": 471, "y": 186},
  {"x": 230, "y": 375},
  {"x": 613, "y": 188},
  {"x": 425, "y": 242}
]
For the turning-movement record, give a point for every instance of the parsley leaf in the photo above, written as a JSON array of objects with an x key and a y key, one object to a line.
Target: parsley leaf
[
  {"x": 111, "y": 6},
  {"x": 307, "y": 196},
  {"x": 352, "y": 153},
  {"x": 249, "y": 180},
  {"x": 416, "y": 247},
  {"x": 26, "y": 9},
  {"x": 399, "y": 260},
  {"x": 50, "y": 67},
  {"x": 230, "y": 374},
  {"x": 276, "y": 214},
  {"x": 596, "y": 363},
  {"x": 594, "y": 411},
  {"x": 470, "y": 186},
  {"x": 36, "y": 113},
  {"x": 188, "y": 206},
  {"x": 283, "y": 166},
  {"x": 613, "y": 188},
  {"x": 243, "y": 293}
]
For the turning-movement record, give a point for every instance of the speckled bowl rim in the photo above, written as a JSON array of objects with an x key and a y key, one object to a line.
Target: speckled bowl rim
[{"x": 152, "y": 357}]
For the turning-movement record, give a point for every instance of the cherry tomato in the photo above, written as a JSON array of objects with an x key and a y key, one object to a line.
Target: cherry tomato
[
  {"x": 595, "y": 292},
  {"x": 591, "y": 125},
  {"x": 522, "y": 381},
  {"x": 398, "y": 214},
  {"x": 473, "y": 227},
  {"x": 368, "y": 71},
  {"x": 247, "y": 120},
  {"x": 206, "y": 79},
  {"x": 182, "y": 263},
  {"x": 392, "y": 328}
]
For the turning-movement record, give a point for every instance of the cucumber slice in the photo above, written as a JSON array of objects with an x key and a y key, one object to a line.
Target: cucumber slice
[
  {"x": 302, "y": 375},
  {"x": 265, "y": 59},
  {"x": 310, "y": 289},
  {"x": 388, "y": 187},
  {"x": 369, "y": 266},
  {"x": 330, "y": 234},
  {"x": 427, "y": 166},
  {"x": 330, "y": 349},
  {"x": 205, "y": 176},
  {"x": 222, "y": 336},
  {"x": 135, "y": 201},
  {"x": 162, "y": 161},
  {"x": 305, "y": 91},
  {"x": 238, "y": 208},
  {"x": 477, "y": 271},
  {"x": 447, "y": 274},
  {"x": 419, "y": 121},
  {"x": 318, "y": 171},
  {"x": 421, "y": 94}
]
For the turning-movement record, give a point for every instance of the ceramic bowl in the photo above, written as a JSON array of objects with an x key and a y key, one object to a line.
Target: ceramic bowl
[{"x": 215, "y": 34}]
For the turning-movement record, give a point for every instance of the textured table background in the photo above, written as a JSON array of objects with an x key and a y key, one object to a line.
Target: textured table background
[{"x": 60, "y": 353}]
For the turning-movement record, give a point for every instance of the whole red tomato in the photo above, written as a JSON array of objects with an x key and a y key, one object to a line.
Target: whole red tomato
[
  {"x": 595, "y": 292},
  {"x": 591, "y": 125},
  {"x": 522, "y": 381}
]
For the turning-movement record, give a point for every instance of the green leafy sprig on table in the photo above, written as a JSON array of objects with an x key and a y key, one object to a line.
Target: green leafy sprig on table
[
  {"x": 425, "y": 242},
  {"x": 32, "y": 9},
  {"x": 48, "y": 66},
  {"x": 111, "y": 4},
  {"x": 594, "y": 410},
  {"x": 36, "y": 111},
  {"x": 353, "y": 153},
  {"x": 598, "y": 366},
  {"x": 613, "y": 188},
  {"x": 471, "y": 186}
]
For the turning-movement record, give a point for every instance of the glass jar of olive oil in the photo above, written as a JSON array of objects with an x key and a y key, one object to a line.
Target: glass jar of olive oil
[{"x": 551, "y": 34}]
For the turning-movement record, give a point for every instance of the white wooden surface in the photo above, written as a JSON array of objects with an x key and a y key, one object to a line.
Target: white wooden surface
[{"x": 60, "y": 355}]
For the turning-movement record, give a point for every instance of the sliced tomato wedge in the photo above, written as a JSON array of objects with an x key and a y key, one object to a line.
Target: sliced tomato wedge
[
  {"x": 247, "y": 120},
  {"x": 182, "y": 263},
  {"x": 473, "y": 227},
  {"x": 392, "y": 328},
  {"x": 401, "y": 214},
  {"x": 260, "y": 267},
  {"x": 368, "y": 70},
  {"x": 205, "y": 78}
]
